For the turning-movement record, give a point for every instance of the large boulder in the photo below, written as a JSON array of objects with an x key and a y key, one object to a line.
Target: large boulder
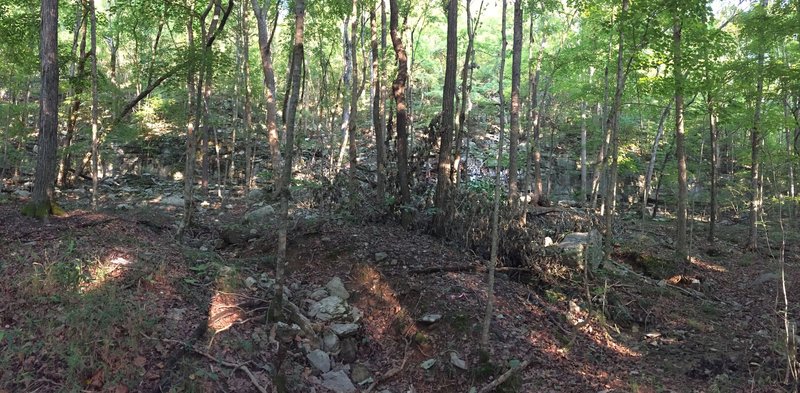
[
  {"x": 259, "y": 215},
  {"x": 331, "y": 307},
  {"x": 581, "y": 250}
]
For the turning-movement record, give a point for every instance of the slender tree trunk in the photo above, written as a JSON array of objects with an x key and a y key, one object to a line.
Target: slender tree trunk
[
  {"x": 466, "y": 88},
  {"x": 191, "y": 126},
  {"x": 713, "y": 134},
  {"x": 248, "y": 107},
  {"x": 681, "y": 245},
  {"x": 77, "y": 90},
  {"x": 377, "y": 110},
  {"x": 487, "y": 318},
  {"x": 353, "y": 124},
  {"x": 755, "y": 140},
  {"x": 648, "y": 177},
  {"x": 584, "y": 185},
  {"x": 536, "y": 123},
  {"x": 291, "y": 113},
  {"x": 95, "y": 125},
  {"x": 43, "y": 197},
  {"x": 348, "y": 87},
  {"x": 612, "y": 124},
  {"x": 264, "y": 45},
  {"x": 513, "y": 139},
  {"x": 788, "y": 136},
  {"x": 444, "y": 186},
  {"x": 398, "y": 89}
]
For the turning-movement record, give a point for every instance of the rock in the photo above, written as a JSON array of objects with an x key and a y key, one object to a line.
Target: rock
[
  {"x": 249, "y": 282},
  {"x": 318, "y": 294},
  {"x": 330, "y": 341},
  {"x": 172, "y": 200},
  {"x": 328, "y": 308},
  {"x": 766, "y": 277},
  {"x": 336, "y": 288},
  {"x": 360, "y": 373},
  {"x": 22, "y": 193},
  {"x": 320, "y": 360},
  {"x": 430, "y": 318},
  {"x": 344, "y": 329},
  {"x": 348, "y": 352},
  {"x": 548, "y": 241},
  {"x": 379, "y": 256},
  {"x": 338, "y": 381},
  {"x": 355, "y": 314},
  {"x": 259, "y": 214},
  {"x": 457, "y": 361},
  {"x": 582, "y": 249},
  {"x": 255, "y": 195},
  {"x": 427, "y": 364},
  {"x": 285, "y": 332}
]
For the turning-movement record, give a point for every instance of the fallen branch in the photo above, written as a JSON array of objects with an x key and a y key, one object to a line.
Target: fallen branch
[
  {"x": 445, "y": 269},
  {"x": 499, "y": 381},
  {"x": 235, "y": 367},
  {"x": 391, "y": 373}
]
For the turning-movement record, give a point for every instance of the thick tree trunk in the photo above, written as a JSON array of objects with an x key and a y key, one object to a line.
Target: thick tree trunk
[
  {"x": 487, "y": 318},
  {"x": 42, "y": 199},
  {"x": 681, "y": 244},
  {"x": 398, "y": 89},
  {"x": 444, "y": 186}
]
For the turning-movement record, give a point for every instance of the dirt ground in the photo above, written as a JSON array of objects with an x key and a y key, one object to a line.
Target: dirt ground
[{"x": 109, "y": 301}]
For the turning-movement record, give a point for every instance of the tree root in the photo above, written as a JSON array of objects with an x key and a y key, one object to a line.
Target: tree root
[{"x": 506, "y": 375}]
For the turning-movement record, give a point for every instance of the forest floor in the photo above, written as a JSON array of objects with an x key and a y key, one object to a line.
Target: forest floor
[{"x": 109, "y": 301}]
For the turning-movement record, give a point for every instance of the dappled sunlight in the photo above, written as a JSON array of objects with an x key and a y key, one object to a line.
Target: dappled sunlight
[
  {"x": 381, "y": 296},
  {"x": 707, "y": 265},
  {"x": 224, "y": 312}
]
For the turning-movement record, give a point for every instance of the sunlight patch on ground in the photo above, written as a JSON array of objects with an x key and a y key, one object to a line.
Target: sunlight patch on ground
[
  {"x": 224, "y": 312},
  {"x": 707, "y": 265},
  {"x": 381, "y": 296}
]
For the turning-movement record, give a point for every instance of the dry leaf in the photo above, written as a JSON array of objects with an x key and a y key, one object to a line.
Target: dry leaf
[{"x": 139, "y": 361}]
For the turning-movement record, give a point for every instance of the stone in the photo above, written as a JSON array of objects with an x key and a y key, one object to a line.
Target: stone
[
  {"x": 172, "y": 200},
  {"x": 328, "y": 308},
  {"x": 320, "y": 360},
  {"x": 348, "y": 352},
  {"x": 318, "y": 294},
  {"x": 430, "y": 318},
  {"x": 255, "y": 195},
  {"x": 338, "y": 381},
  {"x": 379, "y": 256},
  {"x": 286, "y": 333},
  {"x": 344, "y": 329},
  {"x": 249, "y": 282},
  {"x": 427, "y": 364},
  {"x": 330, "y": 341},
  {"x": 582, "y": 250},
  {"x": 259, "y": 214},
  {"x": 22, "y": 193},
  {"x": 766, "y": 277},
  {"x": 457, "y": 361},
  {"x": 336, "y": 288},
  {"x": 548, "y": 241},
  {"x": 356, "y": 314},
  {"x": 360, "y": 373}
]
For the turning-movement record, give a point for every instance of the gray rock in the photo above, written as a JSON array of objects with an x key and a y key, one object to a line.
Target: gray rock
[
  {"x": 344, "y": 329},
  {"x": 318, "y": 294},
  {"x": 338, "y": 381},
  {"x": 582, "y": 249},
  {"x": 348, "y": 352},
  {"x": 255, "y": 195},
  {"x": 328, "y": 308},
  {"x": 172, "y": 200},
  {"x": 22, "y": 193},
  {"x": 379, "y": 256},
  {"x": 330, "y": 341},
  {"x": 360, "y": 373},
  {"x": 320, "y": 360},
  {"x": 249, "y": 282},
  {"x": 430, "y": 318},
  {"x": 457, "y": 361},
  {"x": 766, "y": 277},
  {"x": 286, "y": 332},
  {"x": 259, "y": 214},
  {"x": 336, "y": 288}
]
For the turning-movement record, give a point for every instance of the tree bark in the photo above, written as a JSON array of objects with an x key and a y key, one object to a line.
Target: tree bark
[
  {"x": 377, "y": 109},
  {"x": 513, "y": 136},
  {"x": 755, "y": 140},
  {"x": 714, "y": 136},
  {"x": 487, "y": 318},
  {"x": 648, "y": 177},
  {"x": 43, "y": 196},
  {"x": 95, "y": 125},
  {"x": 354, "y": 93},
  {"x": 443, "y": 184},
  {"x": 681, "y": 244},
  {"x": 398, "y": 90},
  {"x": 466, "y": 88}
]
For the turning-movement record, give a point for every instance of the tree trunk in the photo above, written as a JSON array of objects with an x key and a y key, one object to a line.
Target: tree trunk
[
  {"x": 95, "y": 125},
  {"x": 264, "y": 45},
  {"x": 347, "y": 77},
  {"x": 76, "y": 91},
  {"x": 353, "y": 126},
  {"x": 377, "y": 109},
  {"x": 681, "y": 246},
  {"x": 648, "y": 177},
  {"x": 487, "y": 318},
  {"x": 248, "y": 107},
  {"x": 755, "y": 140},
  {"x": 513, "y": 136},
  {"x": 42, "y": 199},
  {"x": 398, "y": 90},
  {"x": 584, "y": 185},
  {"x": 612, "y": 124},
  {"x": 443, "y": 184},
  {"x": 291, "y": 113},
  {"x": 466, "y": 88},
  {"x": 713, "y": 134}
]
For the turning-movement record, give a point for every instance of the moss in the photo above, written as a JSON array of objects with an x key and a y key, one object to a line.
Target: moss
[{"x": 43, "y": 209}]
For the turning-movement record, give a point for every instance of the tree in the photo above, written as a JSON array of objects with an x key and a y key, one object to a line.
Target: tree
[
  {"x": 401, "y": 123},
  {"x": 755, "y": 141},
  {"x": 95, "y": 125},
  {"x": 681, "y": 246},
  {"x": 443, "y": 182},
  {"x": 513, "y": 135},
  {"x": 487, "y": 318},
  {"x": 43, "y": 197},
  {"x": 377, "y": 109}
]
